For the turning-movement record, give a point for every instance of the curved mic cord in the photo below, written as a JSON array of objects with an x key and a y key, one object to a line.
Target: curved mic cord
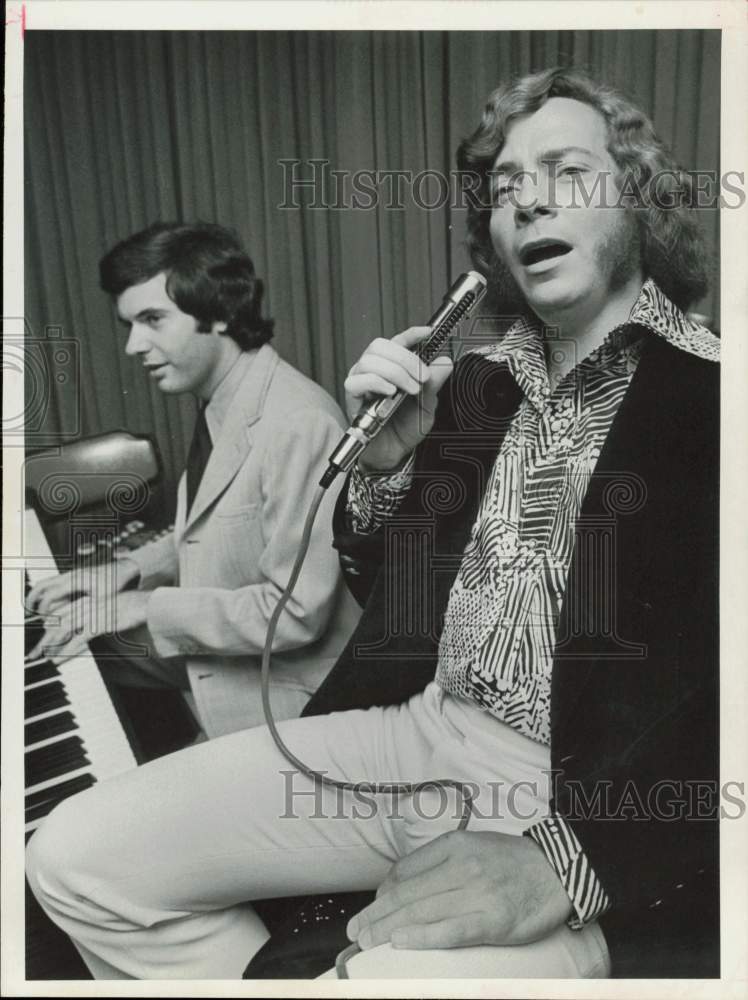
[
  {"x": 459, "y": 301},
  {"x": 385, "y": 788}
]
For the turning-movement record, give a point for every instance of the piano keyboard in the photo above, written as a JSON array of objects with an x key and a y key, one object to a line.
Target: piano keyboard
[
  {"x": 73, "y": 736},
  {"x": 73, "y": 733}
]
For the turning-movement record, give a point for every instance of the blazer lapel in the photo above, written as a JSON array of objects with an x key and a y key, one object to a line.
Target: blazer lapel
[
  {"x": 624, "y": 467},
  {"x": 235, "y": 440},
  {"x": 483, "y": 400}
]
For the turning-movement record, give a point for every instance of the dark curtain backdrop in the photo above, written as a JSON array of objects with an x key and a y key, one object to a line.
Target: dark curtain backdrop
[{"x": 123, "y": 128}]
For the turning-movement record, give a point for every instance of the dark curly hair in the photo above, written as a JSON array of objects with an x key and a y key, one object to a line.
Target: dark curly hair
[
  {"x": 671, "y": 243},
  {"x": 209, "y": 276}
]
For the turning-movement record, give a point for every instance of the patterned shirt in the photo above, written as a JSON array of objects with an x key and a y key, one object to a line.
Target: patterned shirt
[
  {"x": 497, "y": 643},
  {"x": 499, "y": 630}
]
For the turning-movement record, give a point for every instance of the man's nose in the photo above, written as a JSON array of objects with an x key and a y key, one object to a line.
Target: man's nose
[
  {"x": 534, "y": 198},
  {"x": 138, "y": 341}
]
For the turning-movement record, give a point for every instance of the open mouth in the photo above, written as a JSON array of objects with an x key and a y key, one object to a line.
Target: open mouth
[{"x": 540, "y": 250}]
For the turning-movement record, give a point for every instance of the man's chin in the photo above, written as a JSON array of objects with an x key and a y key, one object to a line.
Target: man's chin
[
  {"x": 536, "y": 295},
  {"x": 167, "y": 387},
  {"x": 552, "y": 296}
]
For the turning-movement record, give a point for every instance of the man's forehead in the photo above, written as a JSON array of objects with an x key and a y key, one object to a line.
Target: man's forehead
[
  {"x": 150, "y": 294},
  {"x": 561, "y": 123}
]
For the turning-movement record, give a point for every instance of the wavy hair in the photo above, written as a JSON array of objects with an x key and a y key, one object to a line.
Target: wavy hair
[
  {"x": 671, "y": 243},
  {"x": 209, "y": 276}
]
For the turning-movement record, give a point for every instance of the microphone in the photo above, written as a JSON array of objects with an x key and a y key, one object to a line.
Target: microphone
[{"x": 464, "y": 294}]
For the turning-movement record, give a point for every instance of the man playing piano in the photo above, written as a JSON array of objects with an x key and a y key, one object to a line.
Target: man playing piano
[
  {"x": 190, "y": 301},
  {"x": 563, "y": 501}
]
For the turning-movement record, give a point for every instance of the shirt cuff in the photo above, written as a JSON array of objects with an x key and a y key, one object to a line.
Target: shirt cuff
[
  {"x": 559, "y": 843},
  {"x": 374, "y": 497}
]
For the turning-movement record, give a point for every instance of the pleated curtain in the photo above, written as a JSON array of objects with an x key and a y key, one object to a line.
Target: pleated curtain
[{"x": 123, "y": 128}]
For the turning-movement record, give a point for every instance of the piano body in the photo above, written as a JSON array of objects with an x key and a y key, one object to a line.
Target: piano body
[{"x": 79, "y": 728}]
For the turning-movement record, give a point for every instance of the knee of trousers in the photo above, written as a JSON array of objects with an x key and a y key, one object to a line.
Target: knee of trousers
[{"x": 62, "y": 858}]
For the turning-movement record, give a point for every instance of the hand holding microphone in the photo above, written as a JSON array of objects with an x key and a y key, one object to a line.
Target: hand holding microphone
[
  {"x": 392, "y": 389},
  {"x": 386, "y": 367}
]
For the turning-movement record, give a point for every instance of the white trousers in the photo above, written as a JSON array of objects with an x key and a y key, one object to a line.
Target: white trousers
[{"x": 150, "y": 872}]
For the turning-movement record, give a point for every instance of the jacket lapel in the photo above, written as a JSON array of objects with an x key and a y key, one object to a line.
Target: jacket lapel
[
  {"x": 633, "y": 448},
  {"x": 235, "y": 440},
  {"x": 483, "y": 400}
]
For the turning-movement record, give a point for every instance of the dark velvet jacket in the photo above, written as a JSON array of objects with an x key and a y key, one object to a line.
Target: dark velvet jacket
[{"x": 634, "y": 697}]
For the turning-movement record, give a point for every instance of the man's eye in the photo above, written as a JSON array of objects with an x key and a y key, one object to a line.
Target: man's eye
[
  {"x": 502, "y": 192},
  {"x": 571, "y": 170},
  {"x": 152, "y": 321}
]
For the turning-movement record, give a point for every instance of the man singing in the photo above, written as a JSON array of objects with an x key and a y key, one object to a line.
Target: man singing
[
  {"x": 545, "y": 512},
  {"x": 190, "y": 301}
]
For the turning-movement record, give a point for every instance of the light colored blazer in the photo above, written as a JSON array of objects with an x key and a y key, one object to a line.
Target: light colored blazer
[{"x": 216, "y": 580}]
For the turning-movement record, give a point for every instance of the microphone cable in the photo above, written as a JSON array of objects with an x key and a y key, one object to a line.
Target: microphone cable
[
  {"x": 382, "y": 788},
  {"x": 459, "y": 301}
]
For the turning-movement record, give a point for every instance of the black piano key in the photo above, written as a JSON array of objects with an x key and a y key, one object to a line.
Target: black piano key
[
  {"x": 57, "y": 758},
  {"x": 40, "y": 763},
  {"x": 44, "y": 699},
  {"x": 32, "y": 633},
  {"x": 44, "y": 729},
  {"x": 40, "y": 672},
  {"x": 54, "y": 762},
  {"x": 63, "y": 790},
  {"x": 53, "y": 767},
  {"x": 38, "y": 804}
]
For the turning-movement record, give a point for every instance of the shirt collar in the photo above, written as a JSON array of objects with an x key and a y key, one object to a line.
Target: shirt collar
[
  {"x": 521, "y": 348},
  {"x": 654, "y": 310},
  {"x": 220, "y": 402}
]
